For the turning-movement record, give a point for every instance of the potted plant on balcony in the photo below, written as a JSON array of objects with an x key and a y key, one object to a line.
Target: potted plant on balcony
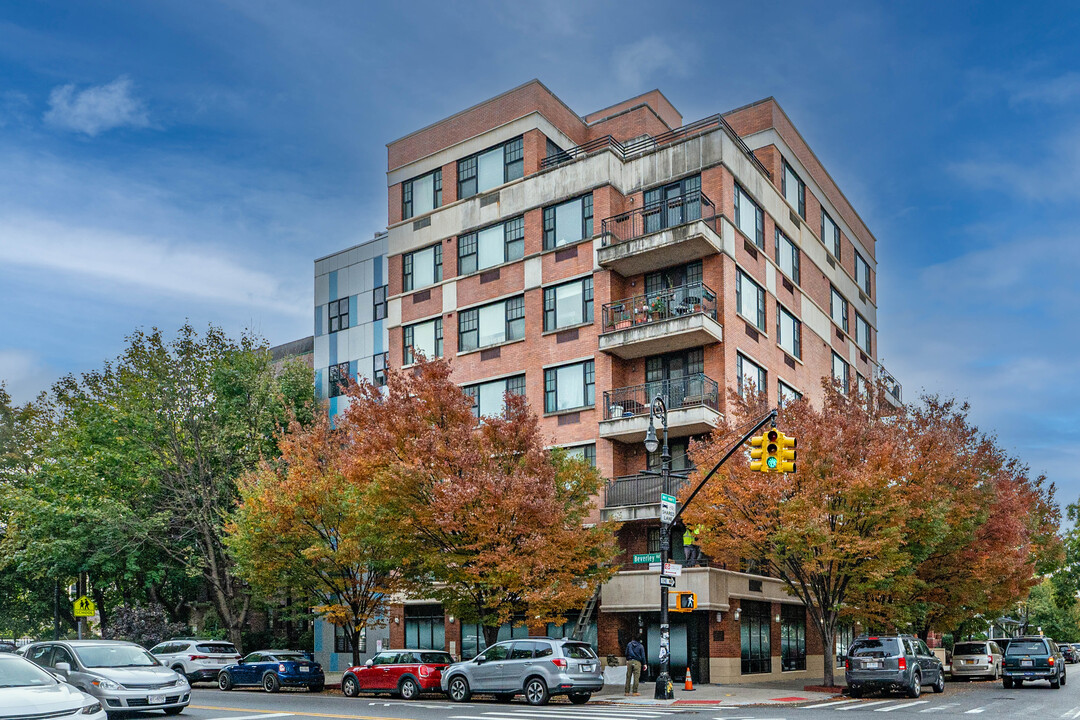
[{"x": 658, "y": 308}]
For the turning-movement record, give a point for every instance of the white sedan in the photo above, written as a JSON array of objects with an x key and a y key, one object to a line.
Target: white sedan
[{"x": 26, "y": 690}]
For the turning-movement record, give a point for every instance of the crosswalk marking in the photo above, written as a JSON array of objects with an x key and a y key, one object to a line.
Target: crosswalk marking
[
  {"x": 902, "y": 705},
  {"x": 831, "y": 703},
  {"x": 939, "y": 708},
  {"x": 861, "y": 706},
  {"x": 1072, "y": 714},
  {"x": 973, "y": 711}
]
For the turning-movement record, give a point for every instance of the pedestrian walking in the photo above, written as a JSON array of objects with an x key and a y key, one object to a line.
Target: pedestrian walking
[{"x": 635, "y": 664}]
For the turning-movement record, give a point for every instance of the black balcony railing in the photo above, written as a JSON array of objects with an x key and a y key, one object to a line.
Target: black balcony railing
[
  {"x": 638, "y": 490},
  {"x": 659, "y": 306},
  {"x": 668, "y": 213},
  {"x": 652, "y": 142},
  {"x": 682, "y": 392},
  {"x": 892, "y": 385}
]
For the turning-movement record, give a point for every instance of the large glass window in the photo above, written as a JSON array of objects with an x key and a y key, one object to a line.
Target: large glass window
[
  {"x": 787, "y": 256},
  {"x": 491, "y": 168},
  {"x": 830, "y": 234},
  {"x": 339, "y": 379},
  {"x": 792, "y": 637},
  {"x": 750, "y": 301},
  {"x": 673, "y": 204},
  {"x": 379, "y": 363},
  {"x": 425, "y": 337},
  {"x": 491, "y": 246},
  {"x": 749, "y": 372},
  {"x": 421, "y": 268},
  {"x": 749, "y": 218},
  {"x": 378, "y": 299},
  {"x": 422, "y": 194},
  {"x": 583, "y": 452},
  {"x": 840, "y": 371},
  {"x": 338, "y": 313},
  {"x": 673, "y": 277},
  {"x": 680, "y": 456},
  {"x": 789, "y": 332},
  {"x": 425, "y": 628},
  {"x": 838, "y": 309},
  {"x": 568, "y": 222},
  {"x": 786, "y": 393},
  {"x": 492, "y": 324},
  {"x": 794, "y": 190},
  {"x": 570, "y": 387},
  {"x": 862, "y": 333},
  {"x": 568, "y": 304},
  {"x": 755, "y": 627},
  {"x": 489, "y": 399},
  {"x": 343, "y": 643},
  {"x": 862, "y": 274}
]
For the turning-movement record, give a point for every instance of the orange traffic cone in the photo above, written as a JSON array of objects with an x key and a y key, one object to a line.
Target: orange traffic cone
[{"x": 689, "y": 682}]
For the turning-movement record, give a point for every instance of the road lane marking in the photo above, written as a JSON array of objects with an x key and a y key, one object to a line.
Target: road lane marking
[
  {"x": 298, "y": 713},
  {"x": 865, "y": 705},
  {"x": 938, "y": 708},
  {"x": 254, "y": 717},
  {"x": 973, "y": 711},
  {"x": 829, "y": 704},
  {"x": 1072, "y": 714},
  {"x": 902, "y": 705}
]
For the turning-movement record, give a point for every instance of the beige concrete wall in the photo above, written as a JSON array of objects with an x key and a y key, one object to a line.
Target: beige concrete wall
[{"x": 728, "y": 671}]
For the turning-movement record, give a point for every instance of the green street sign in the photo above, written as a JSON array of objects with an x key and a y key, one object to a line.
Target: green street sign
[{"x": 646, "y": 558}]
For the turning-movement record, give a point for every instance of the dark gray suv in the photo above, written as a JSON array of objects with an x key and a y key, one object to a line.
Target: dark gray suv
[
  {"x": 537, "y": 667},
  {"x": 892, "y": 662}
]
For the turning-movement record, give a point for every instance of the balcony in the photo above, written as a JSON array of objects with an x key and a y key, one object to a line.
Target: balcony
[
  {"x": 636, "y": 497},
  {"x": 894, "y": 391},
  {"x": 662, "y": 321},
  {"x": 693, "y": 405},
  {"x": 679, "y": 229}
]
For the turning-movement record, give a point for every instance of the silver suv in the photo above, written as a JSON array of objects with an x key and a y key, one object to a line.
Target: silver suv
[
  {"x": 121, "y": 675},
  {"x": 893, "y": 662},
  {"x": 197, "y": 660},
  {"x": 537, "y": 667}
]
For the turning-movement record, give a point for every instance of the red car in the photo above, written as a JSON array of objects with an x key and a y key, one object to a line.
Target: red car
[{"x": 404, "y": 672}]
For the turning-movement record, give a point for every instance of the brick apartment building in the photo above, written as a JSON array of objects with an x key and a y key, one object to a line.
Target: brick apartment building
[{"x": 593, "y": 262}]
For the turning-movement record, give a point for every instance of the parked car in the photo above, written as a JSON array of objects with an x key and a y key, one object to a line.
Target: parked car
[
  {"x": 1033, "y": 658},
  {"x": 27, "y": 691},
  {"x": 121, "y": 675},
  {"x": 893, "y": 662},
  {"x": 1070, "y": 651},
  {"x": 6, "y": 647},
  {"x": 404, "y": 672},
  {"x": 537, "y": 667},
  {"x": 272, "y": 670},
  {"x": 979, "y": 658},
  {"x": 197, "y": 660}
]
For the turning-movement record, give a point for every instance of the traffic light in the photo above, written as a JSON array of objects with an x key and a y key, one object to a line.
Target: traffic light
[
  {"x": 685, "y": 602},
  {"x": 787, "y": 453},
  {"x": 756, "y": 454},
  {"x": 772, "y": 450}
]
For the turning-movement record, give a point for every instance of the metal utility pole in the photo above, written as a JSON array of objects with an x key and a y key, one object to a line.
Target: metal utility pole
[
  {"x": 667, "y": 517},
  {"x": 56, "y": 610}
]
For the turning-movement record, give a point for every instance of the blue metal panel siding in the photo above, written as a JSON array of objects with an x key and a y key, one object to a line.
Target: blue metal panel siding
[
  {"x": 354, "y": 317},
  {"x": 333, "y": 348},
  {"x": 333, "y": 407},
  {"x": 333, "y": 662},
  {"x": 377, "y": 338},
  {"x": 318, "y": 635},
  {"x": 352, "y": 370},
  {"x": 319, "y": 374},
  {"x": 318, "y": 320},
  {"x": 333, "y": 285},
  {"x": 378, "y": 268}
]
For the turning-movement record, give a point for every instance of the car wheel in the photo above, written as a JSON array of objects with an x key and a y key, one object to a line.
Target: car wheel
[
  {"x": 459, "y": 689},
  {"x": 408, "y": 689},
  {"x": 270, "y": 683},
  {"x": 1007, "y": 682},
  {"x": 1063, "y": 676},
  {"x": 915, "y": 689},
  {"x": 536, "y": 692},
  {"x": 174, "y": 711},
  {"x": 350, "y": 687},
  {"x": 1056, "y": 682},
  {"x": 580, "y": 698},
  {"x": 939, "y": 686},
  {"x": 504, "y": 697},
  {"x": 224, "y": 681}
]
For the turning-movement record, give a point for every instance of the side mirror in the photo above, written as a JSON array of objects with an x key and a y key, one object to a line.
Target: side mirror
[
  {"x": 240, "y": 661},
  {"x": 62, "y": 667},
  {"x": 369, "y": 662},
  {"x": 480, "y": 659}
]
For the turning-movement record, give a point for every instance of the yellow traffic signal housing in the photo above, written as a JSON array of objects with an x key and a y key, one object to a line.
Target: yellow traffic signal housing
[
  {"x": 787, "y": 453},
  {"x": 685, "y": 602},
  {"x": 772, "y": 451},
  {"x": 756, "y": 454}
]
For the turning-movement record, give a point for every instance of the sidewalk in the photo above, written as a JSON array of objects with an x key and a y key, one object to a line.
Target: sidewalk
[{"x": 733, "y": 695}]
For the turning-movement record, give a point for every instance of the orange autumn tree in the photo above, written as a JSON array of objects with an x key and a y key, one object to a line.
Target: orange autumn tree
[{"x": 481, "y": 518}]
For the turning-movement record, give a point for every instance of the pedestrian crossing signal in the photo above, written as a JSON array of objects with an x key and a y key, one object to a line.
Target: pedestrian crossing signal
[{"x": 685, "y": 602}]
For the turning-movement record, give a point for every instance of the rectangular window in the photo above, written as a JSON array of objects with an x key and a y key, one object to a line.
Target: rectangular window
[
  {"x": 421, "y": 268},
  {"x": 339, "y": 379},
  {"x": 789, "y": 333},
  {"x": 491, "y": 168},
  {"x": 786, "y": 393},
  {"x": 425, "y": 337},
  {"x": 862, "y": 333},
  {"x": 840, "y": 371},
  {"x": 749, "y": 218},
  {"x": 794, "y": 190},
  {"x": 489, "y": 399},
  {"x": 568, "y": 222},
  {"x": 341, "y": 640},
  {"x": 492, "y": 324},
  {"x": 425, "y": 628},
  {"x": 755, "y": 627},
  {"x": 672, "y": 205},
  {"x": 830, "y": 234},
  {"x": 554, "y": 151},
  {"x": 838, "y": 309},
  {"x": 583, "y": 452},
  {"x": 491, "y": 246},
  {"x": 378, "y": 298},
  {"x": 570, "y": 387},
  {"x": 792, "y": 637},
  {"x": 378, "y": 370},
  {"x": 568, "y": 304},
  {"x": 422, "y": 194},
  {"x": 749, "y": 373},
  {"x": 750, "y": 301},
  {"x": 339, "y": 314},
  {"x": 787, "y": 256},
  {"x": 862, "y": 274},
  {"x": 861, "y": 385}
]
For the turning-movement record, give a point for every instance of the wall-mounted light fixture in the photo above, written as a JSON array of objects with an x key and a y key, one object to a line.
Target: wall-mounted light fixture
[
  {"x": 451, "y": 619},
  {"x": 397, "y": 621},
  {"x": 777, "y": 617},
  {"x": 719, "y": 617},
  {"x": 738, "y": 612}
]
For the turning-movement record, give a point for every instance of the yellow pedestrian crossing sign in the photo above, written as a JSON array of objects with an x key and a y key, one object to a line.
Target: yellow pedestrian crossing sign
[{"x": 84, "y": 607}]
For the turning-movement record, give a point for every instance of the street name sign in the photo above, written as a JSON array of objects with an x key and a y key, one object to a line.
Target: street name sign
[
  {"x": 667, "y": 508},
  {"x": 645, "y": 558}
]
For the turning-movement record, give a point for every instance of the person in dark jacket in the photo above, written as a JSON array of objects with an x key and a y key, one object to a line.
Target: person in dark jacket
[{"x": 635, "y": 664}]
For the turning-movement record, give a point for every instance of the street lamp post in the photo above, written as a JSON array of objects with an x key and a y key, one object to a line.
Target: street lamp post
[{"x": 663, "y": 682}]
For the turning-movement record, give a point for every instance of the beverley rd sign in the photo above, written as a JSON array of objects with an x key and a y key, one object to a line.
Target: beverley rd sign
[{"x": 645, "y": 558}]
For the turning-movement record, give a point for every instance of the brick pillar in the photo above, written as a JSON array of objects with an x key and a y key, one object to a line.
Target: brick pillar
[{"x": 397, "y": 626}]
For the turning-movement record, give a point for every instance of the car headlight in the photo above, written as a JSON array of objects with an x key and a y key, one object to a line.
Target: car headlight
[
  {"x": 105, "y": 684},
  {"x": 91, "y": 709},
  {"x": 180, "y": 680}
]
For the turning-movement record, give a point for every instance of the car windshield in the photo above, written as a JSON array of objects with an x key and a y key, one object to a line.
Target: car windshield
[
  {"x": 578, "y": 651},
  {"x": 291, "y": 657},
  {"x": 114, "y": 656},
  {"x": 219, "y": 648},
  {"x": 437, "y": 658},
  {"x": 970, "y": 649},
  {"x": 875, "y": 647},
  {"x": 19, "y": 672},
  {"x": 1032, "y": 647}
]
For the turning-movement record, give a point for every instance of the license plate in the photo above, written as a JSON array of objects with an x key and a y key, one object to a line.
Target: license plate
[
  {"x": 1026, "y": 663},
  {"x": 305, "y": 668},
  {"x": 872, "y": 665},
  {"x": 156, "y": 700},
  {"x": 586, "y": 668},
  {"x": 969, "y": 662}
]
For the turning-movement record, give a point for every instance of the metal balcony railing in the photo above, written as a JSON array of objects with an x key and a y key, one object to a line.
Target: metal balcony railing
[
  {"x": 638, "y": 490},
  {"x": 892, "y": 385},
  {"x": 682, "y": 392},
  {"x": 658, "y": 306},
  {"x": 668, "y": 213}
]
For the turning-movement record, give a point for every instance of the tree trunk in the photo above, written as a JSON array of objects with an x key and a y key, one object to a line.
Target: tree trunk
[
  {"x": 354, "y": 644},
  {"x": 99, "y": 600},
  {"x": 924, "y": 633},
  {"x": 826, "y": 628},
  {"x": 491, "y": 634}
]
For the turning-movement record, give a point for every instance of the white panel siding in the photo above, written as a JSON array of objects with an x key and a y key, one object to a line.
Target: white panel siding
[
  {"x": 449, "y": 295},
  {"x": 322, "y": 289},
  {"x": 534, "y": 269}
]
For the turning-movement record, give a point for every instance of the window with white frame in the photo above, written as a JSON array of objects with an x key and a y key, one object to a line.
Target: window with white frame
[
  {"x": 794, "y": 190},
  {"x": 492, "y": 324},
  {"x": 838, "y": 309},
  {"x": 750, "y": 300},
  {"x": 862, "y": 333},
  {"x": 787, "y": 256},
  {"x": 421, "y": 268},
  {"x": 749, "y": 218},
  {"x": 840, "y": 371},
  {"x": 830, "y": 234},
  {"x": 583, "y": 452},
  {"x": 491, "y": 168},
  {"x": 570, "y": 387},
  {"x": 425, "y": 337},
  {"x": 489, "y": 398},
  {"x": 862, "y": 273},
  {"x": 788, "y": 332},
  {"x": 749, "y": 374},
  {"x": 568, "y": 222},
  {"x": 421, "y": 194},
  {"x": 491, "y": 246},
  {"x": 568, "y": 304},
  {"x": 785, "y": 393}
]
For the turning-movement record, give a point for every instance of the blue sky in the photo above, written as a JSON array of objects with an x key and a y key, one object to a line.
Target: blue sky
[{"x": 170, "y": 160}]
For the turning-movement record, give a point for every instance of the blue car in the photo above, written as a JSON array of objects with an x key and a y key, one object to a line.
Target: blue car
[{"x": 273, "y": 670}]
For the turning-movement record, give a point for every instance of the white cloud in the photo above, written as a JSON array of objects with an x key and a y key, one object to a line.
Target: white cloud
[
  {"x": 635, "y": 64},
  {"x": 96, "y": 109},
  {"x": 1053, "y": 176},
  {"x": 24, "y": 375}
]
